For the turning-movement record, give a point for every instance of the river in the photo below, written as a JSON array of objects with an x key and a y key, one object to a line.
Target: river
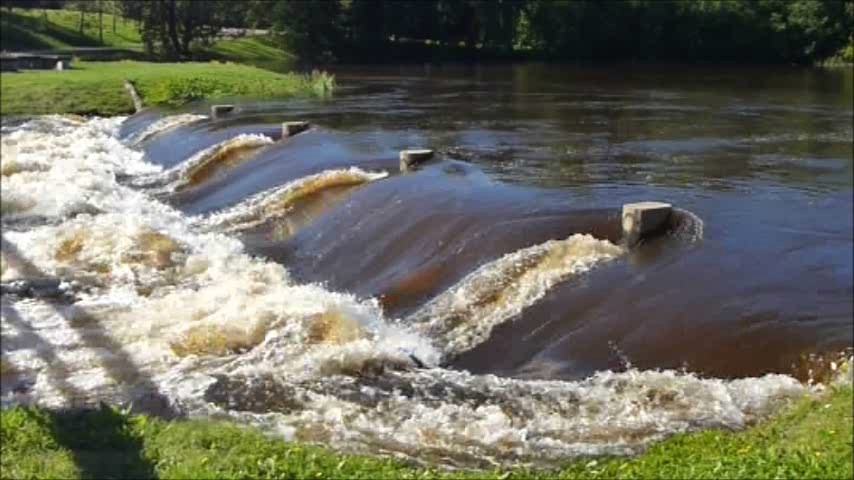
[{"x": 480, "y": 309}]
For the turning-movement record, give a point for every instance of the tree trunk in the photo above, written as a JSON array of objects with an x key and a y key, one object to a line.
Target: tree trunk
[
  {"x": 187, "y": 35},
  {"x": 472, "y": 29},
  {"x": 82, "y": 13},
  {"x": 101, "y": 21},
  {"x": 115, "y": 14},
  {"x": 172, "y": 26}
]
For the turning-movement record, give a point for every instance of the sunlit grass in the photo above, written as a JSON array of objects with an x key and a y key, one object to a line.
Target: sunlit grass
[
  {"x": 261, "y": 52},
  {"x": 812, "y": 439},
  {"x": 97, "y": 88},
  {"x": 38, "y": 29}
]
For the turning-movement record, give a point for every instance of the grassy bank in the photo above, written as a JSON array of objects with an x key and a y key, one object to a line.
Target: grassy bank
[
  {"x": 60, "y": 30},
  {"x": 261, "y": 52},
  {"x": 812, "y": 439},
  {"x": 97, "y": 88}
]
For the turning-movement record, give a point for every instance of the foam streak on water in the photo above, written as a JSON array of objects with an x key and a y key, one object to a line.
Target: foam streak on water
[
  {"x": 165, "y": 124},
  {"x": 464, "y": 316},
  {"x": 277, "y": 201},
  {"x": 200, "y": 166},
  {"x": 149, "y": 304}
]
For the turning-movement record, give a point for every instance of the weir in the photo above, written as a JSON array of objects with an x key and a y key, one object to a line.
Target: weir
[{"x": 218, "y": 327}]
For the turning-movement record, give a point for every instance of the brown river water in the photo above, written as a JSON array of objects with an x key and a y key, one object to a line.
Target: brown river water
[{"x": 481, "y": 309}]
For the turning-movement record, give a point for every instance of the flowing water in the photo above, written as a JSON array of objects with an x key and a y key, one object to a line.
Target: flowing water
[{"x": 479, "y": 310}]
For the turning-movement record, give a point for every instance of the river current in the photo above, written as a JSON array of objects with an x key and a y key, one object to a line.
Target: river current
[{"x": 481, "y": 309}]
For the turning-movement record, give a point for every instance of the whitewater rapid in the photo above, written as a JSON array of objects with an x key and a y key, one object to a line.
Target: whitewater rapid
[{"x": 130, "y": 300}]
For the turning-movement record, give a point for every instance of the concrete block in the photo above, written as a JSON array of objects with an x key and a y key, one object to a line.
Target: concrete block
[
  {"x": 644, "y": 219},
  {"x": 134, "y": 95},
  {"x": 289, "y": 129},
  {"x": 410, "y": 158},
  {"x": 219, "y": 110}
]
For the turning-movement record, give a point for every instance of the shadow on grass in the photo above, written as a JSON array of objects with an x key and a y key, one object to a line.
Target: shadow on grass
[
  {"x": 18, "y": 33},
  {"x": 99, "y": 439},
  {"x": 17, "y": 37}
]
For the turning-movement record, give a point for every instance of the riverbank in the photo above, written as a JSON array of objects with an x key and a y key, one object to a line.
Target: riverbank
[
  {"x": 811, "y": 439},
  {"x": 48, "y": 29},
  {"x": 61, "y": 31},
  {"x": 98, "y": 88}
]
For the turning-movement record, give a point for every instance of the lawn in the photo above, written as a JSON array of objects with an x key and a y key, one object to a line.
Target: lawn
[
  {"x": 812, "y": 439},
  {"x": 97, "y": 88},
  {"x": 261, "y": 52},
  {"x": 58, "y": 30}
]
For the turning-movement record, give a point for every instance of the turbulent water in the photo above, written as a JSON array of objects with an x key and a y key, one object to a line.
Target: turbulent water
[{"x": 336, "y": 301}]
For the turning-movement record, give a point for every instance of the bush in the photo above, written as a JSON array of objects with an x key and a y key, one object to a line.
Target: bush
[{"x": 179, "y": 91}]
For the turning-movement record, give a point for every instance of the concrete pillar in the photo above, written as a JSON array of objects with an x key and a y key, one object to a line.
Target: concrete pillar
[
  {"x": 134, "y": 95},
  {"x": 219, "y": 110},
  {"x": 410, "y": 158},
  {"x": 644, "y": 219},
  {"x": 289, "y": 129}
]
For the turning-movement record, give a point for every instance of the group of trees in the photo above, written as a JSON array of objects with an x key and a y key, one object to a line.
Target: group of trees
[
  {"x": 734, "y": 30},
  {"x": 768, "y": 31},
  {"x": 169, "y": 28}
]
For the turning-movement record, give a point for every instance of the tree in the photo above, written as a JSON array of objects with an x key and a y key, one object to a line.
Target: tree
[
  {"x": 170, "y": 27},
  {"x": 799, "y": 31},
  {"x": 311, "y": 27}
]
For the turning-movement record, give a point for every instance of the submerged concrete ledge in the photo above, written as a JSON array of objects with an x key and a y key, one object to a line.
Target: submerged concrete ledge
[
  {"x": 645, "y": 219},
  {"x": 289, "y": 129},
  {"x": 219, "y": 110},
  {"x": 409, "y": 159}
]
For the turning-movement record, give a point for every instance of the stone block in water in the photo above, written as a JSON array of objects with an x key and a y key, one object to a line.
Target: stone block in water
[
  {"x": 411, "y": 158},
  {"x": 290, "y": 129},
  {"x": 217, "y": 110},
  {"x": 645, "y": 219}
]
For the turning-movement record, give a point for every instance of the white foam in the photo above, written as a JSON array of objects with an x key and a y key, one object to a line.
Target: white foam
[
  {"x": 64, "y": 169},
  {"x": 146, "y": 279},
  {"x": 478, "y": 420}
]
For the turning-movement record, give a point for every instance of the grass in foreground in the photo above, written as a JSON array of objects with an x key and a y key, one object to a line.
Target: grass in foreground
[
  {"x": 812, "y": 439},
  {"x": 59, "y": 30},
  {"x": 98, "y": 88}
]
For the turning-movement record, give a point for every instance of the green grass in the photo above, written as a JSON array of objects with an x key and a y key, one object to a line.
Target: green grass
[
  {"x": 812, "y": 439},
  {"x": 262, "y": 52},
  {"x": 97, "y": 88},
  {"x": 28, "y": 30}
]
